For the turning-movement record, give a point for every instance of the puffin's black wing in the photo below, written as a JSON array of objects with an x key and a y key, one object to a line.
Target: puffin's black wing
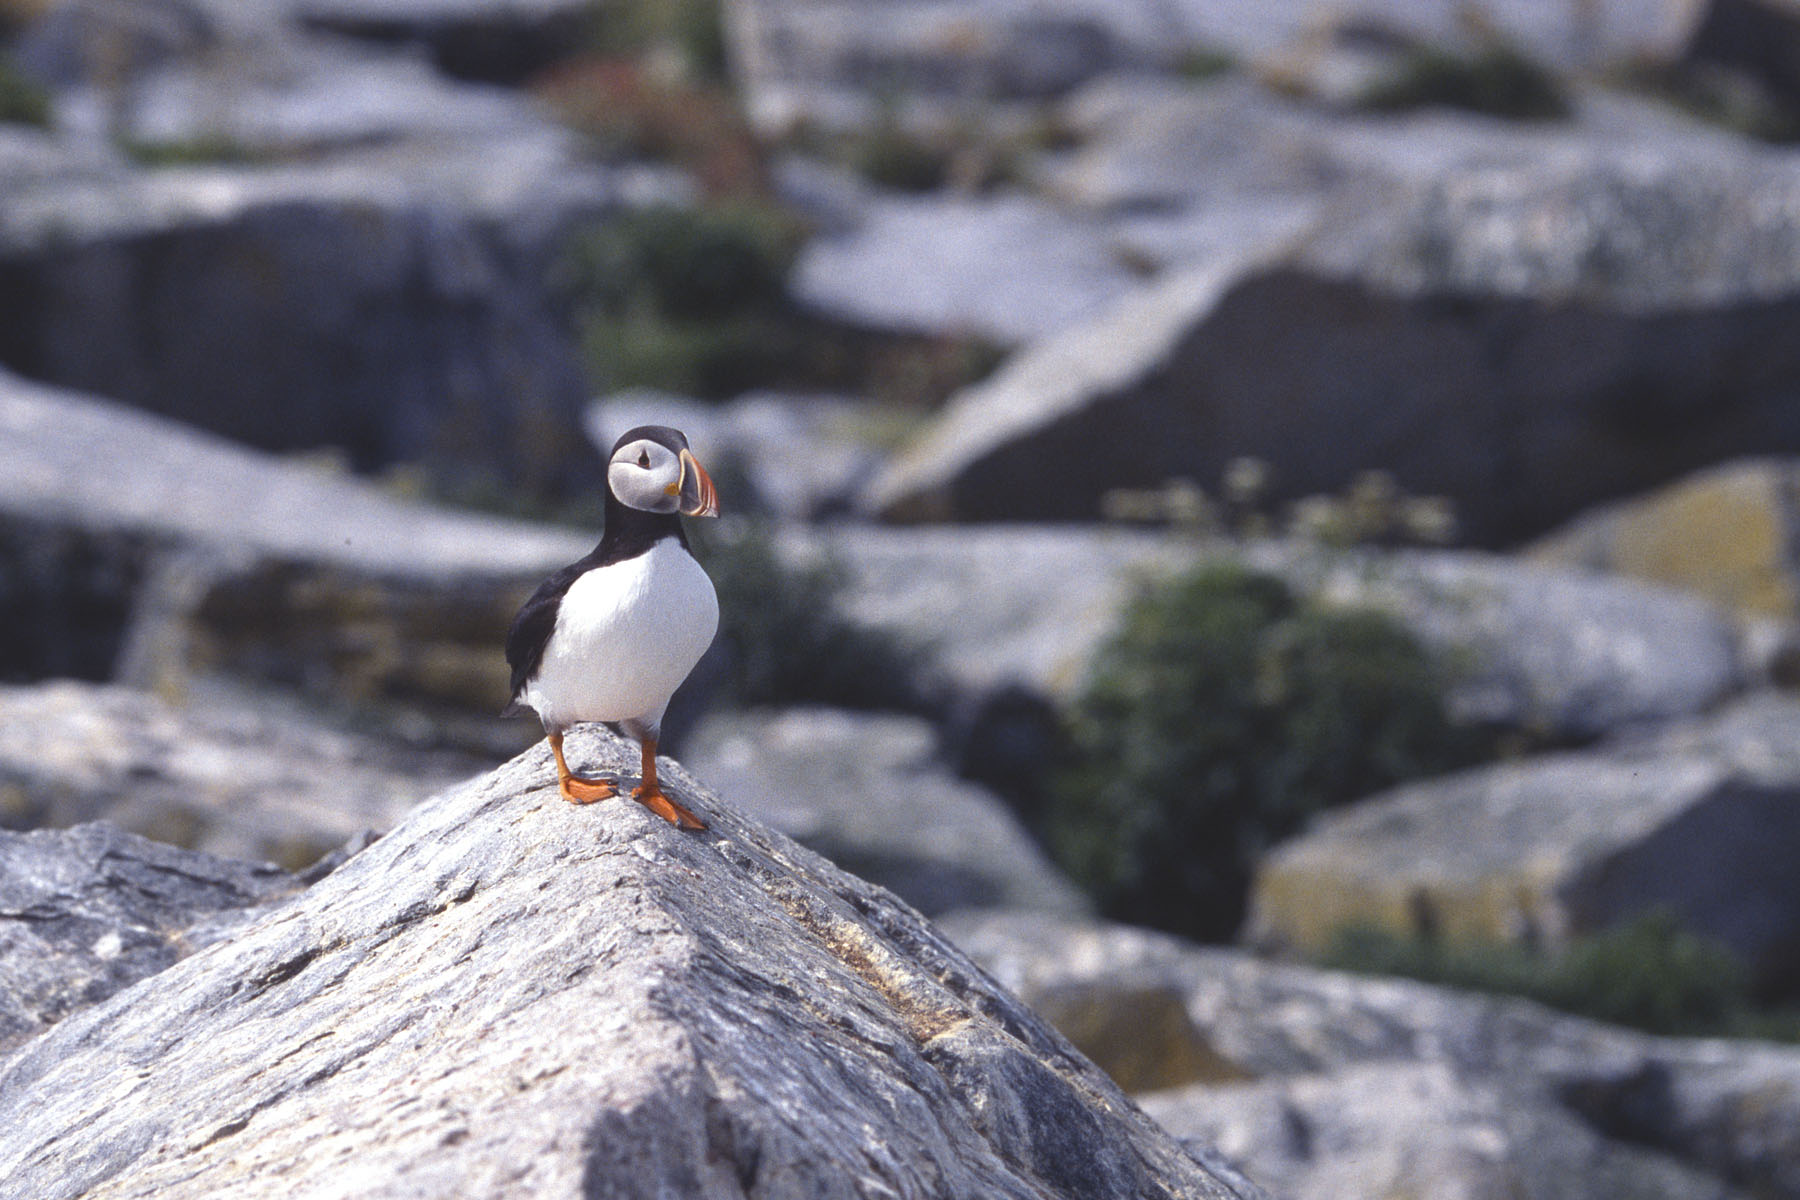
[{"x": 536, "y": 619}]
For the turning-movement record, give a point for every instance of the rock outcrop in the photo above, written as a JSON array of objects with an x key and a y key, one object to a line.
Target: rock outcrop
[
  {"x": 829, "y": 61},
  {"x": 1727, "y": 533},
  {"x": 512, "y": 995},
  {"x": 1010, "y": 269},
  {"x": 199, "y": 554},
  {"x": 1500, "y": 1089},
  {"x": 85, "y": 912},
  {"x": 1702, "y": 821},
  {"x": 230, "y": 771},
  {"x": 1564, "y": 655},
  {"x": 868, "y": 792},
  {"x": 1421, "y": 1129},
  {"x": 1539, "y": 318},
  {"x": 306, "y": 242}
]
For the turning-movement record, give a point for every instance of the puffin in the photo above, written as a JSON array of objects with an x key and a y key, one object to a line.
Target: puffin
[{"x": 612, "y": 635}]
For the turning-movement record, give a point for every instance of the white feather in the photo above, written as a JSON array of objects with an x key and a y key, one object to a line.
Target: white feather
[{"x": 626, "y": 636}]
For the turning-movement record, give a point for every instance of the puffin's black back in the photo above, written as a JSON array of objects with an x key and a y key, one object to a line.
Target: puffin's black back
[{"x": 628, "y": 532}]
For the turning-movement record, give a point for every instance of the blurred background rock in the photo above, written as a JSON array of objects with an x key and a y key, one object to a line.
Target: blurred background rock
[{"x": 1316, "y": 479}]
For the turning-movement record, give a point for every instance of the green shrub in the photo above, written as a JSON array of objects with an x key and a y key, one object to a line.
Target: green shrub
[
  {"x": 1497, "y": 80},
  {"x": 689, "y": 300},
  {"x": 1221, "y": 716},
  {"x": 688, "y": 263},
  {"x": 206, "y": 149},
  {"x": 22, "y": 102},
  {"x": 694, "y": 29},
  {"x": 1648, "y": 973},
  {"x": 789, "y": 639}
]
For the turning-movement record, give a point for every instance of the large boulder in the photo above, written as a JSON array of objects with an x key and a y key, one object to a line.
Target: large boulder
[
  {"x": 85, "y": 912},
  {"x": 833, "y": 61},
  {"x": 1563, "y": 655},
  {"x": 377, "y": 302},
  {"x": 1727, "y": 533},
  {"x": 1010, "y": 269},
  {"x": 1424, "y": 1130},
  {"x": 1509, "y": 1080},
  {"x": 228, "y": 771},
  {"x": 1702, "y": 821},
  {"x": 509, "y": 994},
  {"x": 198, "y": 553},
  {"x": 502, "y": 41},
  {"x": 1527, "y": 320},
  {"x": 868, "y": 792},
  {"x": 299, "y": 241},
  {"x": 1758, "y": 37}
]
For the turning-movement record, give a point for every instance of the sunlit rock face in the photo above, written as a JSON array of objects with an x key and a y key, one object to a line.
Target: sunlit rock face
[{"x": 509, "y": 993}]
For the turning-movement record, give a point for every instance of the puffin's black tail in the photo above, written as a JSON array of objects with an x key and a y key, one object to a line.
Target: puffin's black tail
[{"x": 518, "y": 708}]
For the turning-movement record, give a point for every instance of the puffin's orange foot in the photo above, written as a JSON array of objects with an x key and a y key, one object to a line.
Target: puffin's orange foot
[
  {"x": 577, "y": 790},
  {"x": 654, "y": 800}
]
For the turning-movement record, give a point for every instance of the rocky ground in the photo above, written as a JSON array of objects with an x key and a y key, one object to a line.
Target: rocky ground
[{"x": 274, "y": 274}]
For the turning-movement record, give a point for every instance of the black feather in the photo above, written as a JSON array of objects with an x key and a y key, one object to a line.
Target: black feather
[{"x": 535, "y": 621}]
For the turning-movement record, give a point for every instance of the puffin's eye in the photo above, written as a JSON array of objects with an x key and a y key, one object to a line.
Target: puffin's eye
[{"x": 643, "y": 458}]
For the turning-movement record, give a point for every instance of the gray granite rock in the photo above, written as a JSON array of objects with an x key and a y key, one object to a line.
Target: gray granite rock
[
  {"x": 1702, "y": 821},
  {"x": 1540, "y": 318},
  {"x": 1725, "y": 1109},
  {"x": 1010, "y": 268},
  {"x": 512, "y": 995},
  {"x": 1420, "y": 1129},
  {"x": 867, "y": 792},
  {"x": 1563, "y": 654},
  {"x": 830, "y": 60},
  {"x": 1727, "y": 533},
  {"x": 85, "y": 912},
  {"x": 199, "y": 554},
  {"x": 1566, "y": 654},
  {"x": 228, "y": 771},
  {"x": 388, "y": 301}
]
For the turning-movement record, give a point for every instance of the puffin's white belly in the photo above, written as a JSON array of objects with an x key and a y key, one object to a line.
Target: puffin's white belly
[{"x": 626, "y": 636}]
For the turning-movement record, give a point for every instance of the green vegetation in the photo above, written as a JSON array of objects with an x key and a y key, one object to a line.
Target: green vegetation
[
  {"x": 22, "y": 102},
  {"x": 964, "y": 155},
  {"x": 692, "y": 30},
  {"x": 689, "y": 300},
  {"x": 1374, "y": 510},
  {"x": 1204, "y": 63},
  {"x": 1649, "y": 974},
  {"x": 1222, "y": 715},
  {"x": 1497, "y": 80},
  {"x": 207, "y": 149},
  {"x": 790, "y": 640}
]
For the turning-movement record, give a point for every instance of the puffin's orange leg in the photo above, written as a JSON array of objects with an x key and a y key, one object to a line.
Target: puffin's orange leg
[
  {"x": 573, "y": 787},
  {"x": 650, "y": 795}
]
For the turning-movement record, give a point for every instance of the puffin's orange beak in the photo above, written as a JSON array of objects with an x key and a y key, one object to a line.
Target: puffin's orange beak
[{"x": 698, "y": 499}]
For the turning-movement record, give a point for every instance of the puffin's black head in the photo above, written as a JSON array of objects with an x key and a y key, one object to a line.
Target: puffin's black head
[{"x": 652, "y": 470}]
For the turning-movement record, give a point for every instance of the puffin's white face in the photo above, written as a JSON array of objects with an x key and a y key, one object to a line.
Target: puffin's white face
[{"x": 648, "y": 475}]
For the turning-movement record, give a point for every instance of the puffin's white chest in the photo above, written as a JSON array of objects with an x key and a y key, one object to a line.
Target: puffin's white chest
[{"x": 626, "y": 635}]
